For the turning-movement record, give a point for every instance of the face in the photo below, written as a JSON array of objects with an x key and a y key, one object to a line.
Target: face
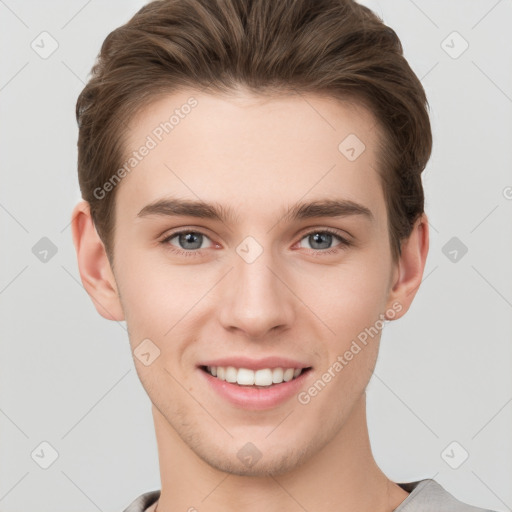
[{"x": 252, "y": 280}]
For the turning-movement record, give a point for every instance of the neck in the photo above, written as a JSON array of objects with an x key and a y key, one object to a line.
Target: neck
[{"x": 342, "y": 476}]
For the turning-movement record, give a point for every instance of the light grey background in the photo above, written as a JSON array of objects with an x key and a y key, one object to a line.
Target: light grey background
[{"x": 444, "y": 371}]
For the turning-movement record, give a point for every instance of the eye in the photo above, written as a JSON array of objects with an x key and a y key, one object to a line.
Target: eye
[
  {"x": 189, "y": 242},
  {"x": 321, "y": 240}
]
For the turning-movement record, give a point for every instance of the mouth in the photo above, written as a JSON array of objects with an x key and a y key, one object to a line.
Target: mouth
[
  {"x": 255, "y": 384},
  {"x": 262, "y": 378}
]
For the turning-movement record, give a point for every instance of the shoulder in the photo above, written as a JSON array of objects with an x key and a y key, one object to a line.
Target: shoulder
[
  {"x": 425, "y": 496},
  {"x": 143, "y": 502},
  {"x": 428, "y": 495}
]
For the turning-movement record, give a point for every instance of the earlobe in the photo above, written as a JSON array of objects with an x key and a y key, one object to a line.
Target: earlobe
[
  {"x": 95, "y": 270},
  {"x": 410, "y": 267}
]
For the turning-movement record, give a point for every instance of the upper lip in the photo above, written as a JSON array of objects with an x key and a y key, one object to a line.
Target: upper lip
[{"x": 255, "y": 364}]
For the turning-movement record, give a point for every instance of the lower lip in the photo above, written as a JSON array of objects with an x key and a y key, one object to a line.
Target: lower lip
[{"x": 249, "y": 397}]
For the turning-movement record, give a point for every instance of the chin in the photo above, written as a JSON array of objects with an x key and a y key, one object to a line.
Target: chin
[{"x": 275, "y": 465}]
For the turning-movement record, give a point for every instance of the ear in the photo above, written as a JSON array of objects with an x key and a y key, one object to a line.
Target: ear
[
  {"x": 409, "y": 271},
  {"x": 95, "y": 271}
]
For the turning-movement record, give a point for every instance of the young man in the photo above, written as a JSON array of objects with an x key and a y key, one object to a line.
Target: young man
[{"x": 253, "y": 209}]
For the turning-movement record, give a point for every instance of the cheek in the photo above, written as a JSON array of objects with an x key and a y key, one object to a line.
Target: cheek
[
  {"x": 159, "y": 299},
  {"x": 348, "y": 297},
  {"x": 354, "y": 306},
  {"x": 165, "y": 303}
]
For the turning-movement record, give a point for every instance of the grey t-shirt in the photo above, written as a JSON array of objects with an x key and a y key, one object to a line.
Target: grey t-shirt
[{"x": 425, "y": 496}]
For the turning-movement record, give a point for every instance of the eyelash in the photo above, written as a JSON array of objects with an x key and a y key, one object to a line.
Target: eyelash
[{"x": 344, "y": 243}]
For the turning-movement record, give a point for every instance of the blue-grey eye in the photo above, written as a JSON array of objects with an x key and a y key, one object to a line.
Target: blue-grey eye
[
  {"x": 190, "y": 240},
  {"x": 187, "y": 240},
  {"x": 320, "y": 240}
]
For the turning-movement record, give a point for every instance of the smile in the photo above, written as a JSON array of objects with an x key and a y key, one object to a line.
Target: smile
[
  {"x": 255, "y": 384},
  {"x": 263, "y": 377}
]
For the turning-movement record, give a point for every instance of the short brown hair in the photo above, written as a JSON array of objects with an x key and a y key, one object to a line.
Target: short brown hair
[{"x": 336, "y": 47}]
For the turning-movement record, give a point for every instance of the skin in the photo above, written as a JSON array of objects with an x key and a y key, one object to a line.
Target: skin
[{"x": 258, "y": 156}]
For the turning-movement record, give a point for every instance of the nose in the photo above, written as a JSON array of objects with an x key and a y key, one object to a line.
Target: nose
[{"x": 258, "y": 298}]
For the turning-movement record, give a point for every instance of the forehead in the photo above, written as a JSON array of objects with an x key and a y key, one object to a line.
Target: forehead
[{"x": 250, "y": 152}]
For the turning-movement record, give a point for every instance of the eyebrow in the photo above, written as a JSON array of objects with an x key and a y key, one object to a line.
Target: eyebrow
[{"x": 300, "y": 211}]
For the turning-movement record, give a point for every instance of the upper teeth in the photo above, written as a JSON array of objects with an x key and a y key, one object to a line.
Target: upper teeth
[{"x": 246, "y": 377}]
